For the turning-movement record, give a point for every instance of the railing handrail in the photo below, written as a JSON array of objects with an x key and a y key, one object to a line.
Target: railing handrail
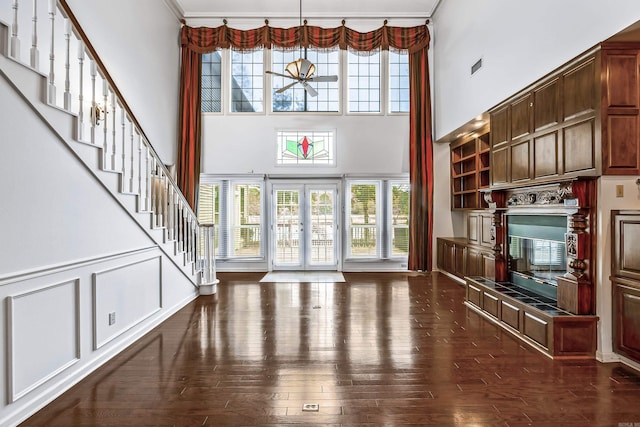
[{"x": 105, "y": 74}]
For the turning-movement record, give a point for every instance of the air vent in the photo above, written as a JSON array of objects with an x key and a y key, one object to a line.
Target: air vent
[{"x": 475, "y": 67}]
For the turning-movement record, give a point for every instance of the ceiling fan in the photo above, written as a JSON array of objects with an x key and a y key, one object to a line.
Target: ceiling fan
[{"x": 302, "y": 71}]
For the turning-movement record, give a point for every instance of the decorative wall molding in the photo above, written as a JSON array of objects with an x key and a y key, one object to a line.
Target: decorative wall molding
[
  {"x": 51, "y": 269},
  {"x": 546, "y": 196},
  {"x": 47, "y": 317},
  {"x": 132, "y": 291}
]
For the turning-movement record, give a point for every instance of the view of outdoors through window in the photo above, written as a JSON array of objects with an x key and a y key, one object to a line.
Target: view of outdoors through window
[
  {"x": 400, "y": 219},
  {"x": 363, "y": 81},
  {"x": 363, "y": 216},
  {"x": 296, "y": 98}
]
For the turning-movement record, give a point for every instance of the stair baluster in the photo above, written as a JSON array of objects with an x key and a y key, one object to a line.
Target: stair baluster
[
  {"x": 15, "y": 41},
  {"x": 52, "y": 86},
  {"x": 35, "y": 55}
]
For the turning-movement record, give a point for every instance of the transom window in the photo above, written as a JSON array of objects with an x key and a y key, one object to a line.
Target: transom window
[
  {"x": 364, "y": 82},
  {"x": 296, "y": 97},
  {"x": 398, "y": 82},
  {"x": 211, "y": 83},
  {"x": 364, "y": 78},
  {"x": 247, "y": 81},
  {"x": 297, "y": 148}
]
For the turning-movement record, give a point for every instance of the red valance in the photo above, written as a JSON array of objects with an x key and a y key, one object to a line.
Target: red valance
[{"x": 205, "y": 40}]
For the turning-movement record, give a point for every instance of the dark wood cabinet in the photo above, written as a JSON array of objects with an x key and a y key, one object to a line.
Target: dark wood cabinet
[
  {"x": 469, "y": 170},
  {"x": 548, "y": 131},
  {"x": 621, "y": 109},
  {"x": 461, "y": 257},
  {"x": 625, "y": 281},
  {"x": 555, "y": 332}
]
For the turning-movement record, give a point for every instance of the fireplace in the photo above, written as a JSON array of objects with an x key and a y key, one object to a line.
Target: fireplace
[{"x": 536, "y": 252}]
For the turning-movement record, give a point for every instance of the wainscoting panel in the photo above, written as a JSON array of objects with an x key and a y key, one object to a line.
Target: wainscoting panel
[
  {"x": 124, "y": 296},
  {"x": 43, "y": 335}
]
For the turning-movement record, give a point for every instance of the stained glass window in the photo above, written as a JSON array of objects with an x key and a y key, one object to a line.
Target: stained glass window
[{"x": 306, "y": 148}]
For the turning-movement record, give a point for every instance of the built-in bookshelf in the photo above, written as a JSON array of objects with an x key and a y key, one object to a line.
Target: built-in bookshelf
[{"x": 470, "y": 170}]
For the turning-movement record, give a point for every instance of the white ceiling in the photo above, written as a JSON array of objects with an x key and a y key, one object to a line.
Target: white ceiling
[{"x": 310, "y": 8}]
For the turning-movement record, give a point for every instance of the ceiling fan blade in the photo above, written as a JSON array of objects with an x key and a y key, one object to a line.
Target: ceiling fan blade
[
  {"x": 278, "y": 74},
  {"x": 283, "y": 88},
  {"x": 323, "y": 79},
  {"x": 311, "y": 91}
]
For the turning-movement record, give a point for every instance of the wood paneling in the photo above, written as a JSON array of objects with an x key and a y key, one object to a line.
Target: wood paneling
[
  {"x": 626, "y": 238},
  {"x": 490, "y": 304},
  {"x": 626, "y": 282},
  {"x": 500, "y": 127},
  {"x": 520, "y": 167},
  {"x": 579, "y": 148},
  {"x": 521, "y": 117},
  {"x": 510, "y": 315},
  {"x": 545, "y": 155},
  {"x": 579, "y": 90},
  {"x": 499, "y": 166},
  {"x": 545, "y": 105},
  {"x": 536, "y": 329},
  {"x": 620, "y": 108}
]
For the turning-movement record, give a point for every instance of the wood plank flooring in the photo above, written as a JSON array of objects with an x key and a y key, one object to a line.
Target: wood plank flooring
[{"x": 378, "y": 350}]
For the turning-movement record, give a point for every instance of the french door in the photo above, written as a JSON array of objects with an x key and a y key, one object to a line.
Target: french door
[{"x": 305, "y": 227}]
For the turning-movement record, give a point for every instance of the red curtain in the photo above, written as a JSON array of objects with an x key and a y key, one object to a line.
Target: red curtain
[
  {"x": 188, "y": 164},
  {"x": 420, "y": 164},
  {"x": 415, "y": 40}
]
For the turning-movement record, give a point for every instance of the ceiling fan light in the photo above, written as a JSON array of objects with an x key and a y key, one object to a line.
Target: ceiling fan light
[
  {"x": 302, "y": 68},
  {"x": 293, "y": 68}
]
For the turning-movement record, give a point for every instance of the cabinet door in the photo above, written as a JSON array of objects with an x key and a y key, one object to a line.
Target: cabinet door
[
  {"x": 460, "y": 261},
  {"x": 626, "y": 235},
  {"x": 521, "y": 117},
  {"x": 621, "y": 113},
  {"x": 440, "y": 254},
  {"x": 473, "y": 227},
  {"x": 626, "y": 313},
  {"x": 474, "y": 262}
]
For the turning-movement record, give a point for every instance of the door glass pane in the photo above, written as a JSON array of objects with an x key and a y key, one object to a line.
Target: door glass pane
[
  {"x": 363, "y": 222},
  {"x": 322, "y": 227},
  {"x": 287, "y": 227}
]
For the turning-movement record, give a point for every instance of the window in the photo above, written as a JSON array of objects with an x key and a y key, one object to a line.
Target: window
[
  {"x": 247, "y": 77},
  {"x": 211, "y": 83},
  {"x": 399, "y": 218},
  {"x": 306, "y": 148},
  {"x": 398, "y": 82},
  {"x": 296, "y": 98},
  {"x": 364, "y": 82},
  {"x": 378, "y": 219},
  {"x": 209, "y": 210},
  {"x": 363, "y": 219},
  {"x": 246, "y": 220},
  {"x": 236, "y": 209}
]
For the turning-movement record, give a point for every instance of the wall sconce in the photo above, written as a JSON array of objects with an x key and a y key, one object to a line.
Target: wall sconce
[{"x": 98, "y": 114}]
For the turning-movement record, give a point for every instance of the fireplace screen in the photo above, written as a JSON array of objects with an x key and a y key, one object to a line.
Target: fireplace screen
[{"x": 537, "y": 251}]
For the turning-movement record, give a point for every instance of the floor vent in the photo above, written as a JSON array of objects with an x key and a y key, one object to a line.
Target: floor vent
[{"x": 310, "y": 407}]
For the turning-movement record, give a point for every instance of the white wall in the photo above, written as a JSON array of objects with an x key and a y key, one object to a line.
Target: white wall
[
  {"x": 519, "y": 42},
  {"x": 139, "y": 43},
  {"x": 247, "y": 143}
]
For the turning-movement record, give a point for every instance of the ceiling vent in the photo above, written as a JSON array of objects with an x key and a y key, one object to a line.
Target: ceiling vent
[{"x": 475, "y": 67}]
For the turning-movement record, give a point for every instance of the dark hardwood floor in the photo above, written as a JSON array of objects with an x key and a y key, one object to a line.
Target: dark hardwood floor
[{"x": 381, "y": 349}]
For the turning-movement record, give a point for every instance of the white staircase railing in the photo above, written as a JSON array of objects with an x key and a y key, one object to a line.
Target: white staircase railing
[{"x": 78, "y": 82}]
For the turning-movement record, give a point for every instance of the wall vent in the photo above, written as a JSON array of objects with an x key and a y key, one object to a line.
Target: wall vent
[{"x": 475, "y": 67}]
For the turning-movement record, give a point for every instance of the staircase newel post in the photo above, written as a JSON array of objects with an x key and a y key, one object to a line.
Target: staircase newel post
[
  {"x": 208, "y": 280},
  {"x": 15, "y": 41},
  {"x": 52, "y": 56}
]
